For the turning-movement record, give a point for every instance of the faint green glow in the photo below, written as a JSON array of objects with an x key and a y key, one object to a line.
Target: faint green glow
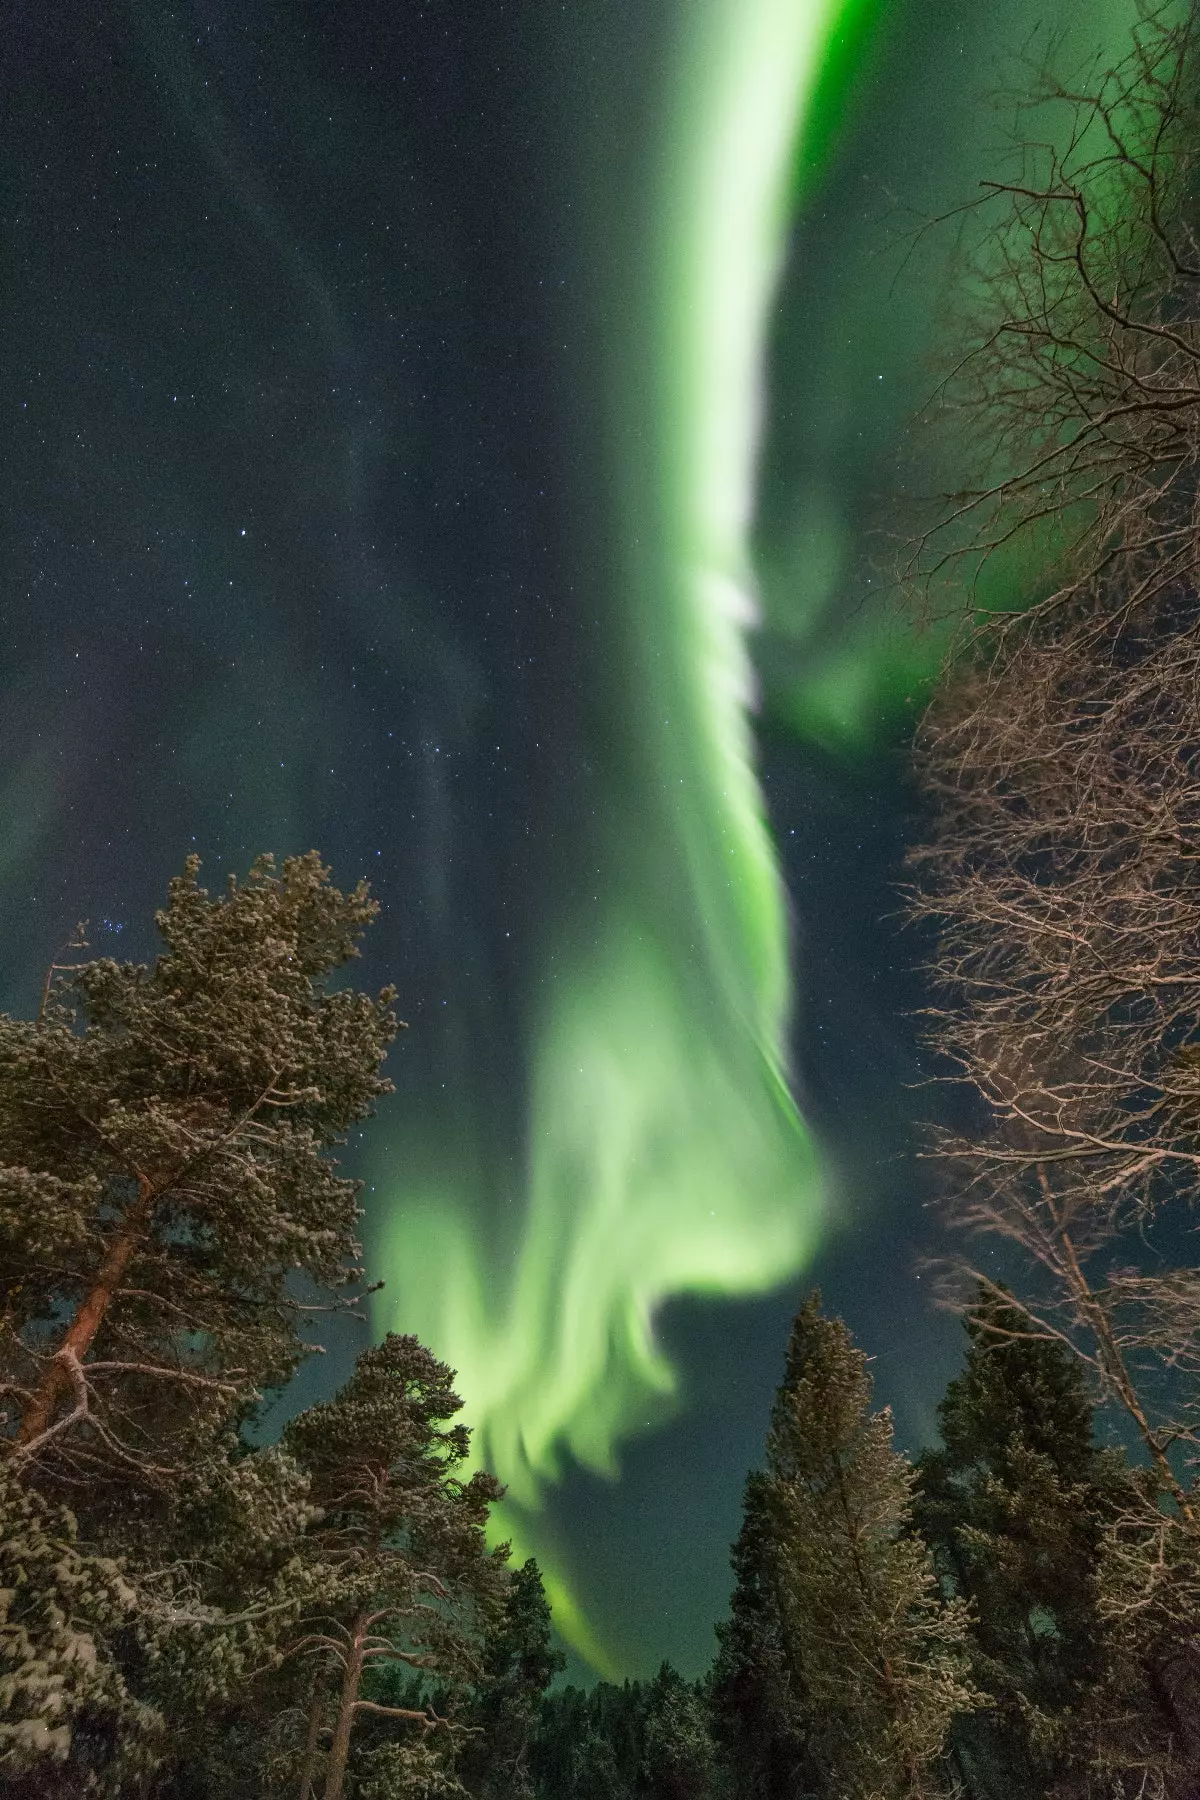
[
  {"x": 572, "y": 1622},
  {"x": 855, "y": 351},
  {"x": 664, "y": 1152}
]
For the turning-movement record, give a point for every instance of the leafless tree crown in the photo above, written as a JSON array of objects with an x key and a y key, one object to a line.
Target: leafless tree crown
[
  {"x": 1062, "y": 752},
  {"x": 1072, "y": 401}
]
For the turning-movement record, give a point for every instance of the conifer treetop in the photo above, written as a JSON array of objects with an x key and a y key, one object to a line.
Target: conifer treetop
[{"x": 164, "y": 1175}]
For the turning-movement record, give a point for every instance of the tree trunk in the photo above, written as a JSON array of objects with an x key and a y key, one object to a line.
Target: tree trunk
[
  {"x": 316, "y": 1715},
  {"x": 345, "y": 1719},
  {"x": 39, "y": 1414}
]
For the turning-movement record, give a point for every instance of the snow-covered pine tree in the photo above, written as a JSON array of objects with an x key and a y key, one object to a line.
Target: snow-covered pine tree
[
  {"x": 1014, "y": 1505},
  {"x": 880, "y": 1658},
  {"x": 164, "y": 1180},
  {"x": 396, "y": 1563},
  {"x": 757, "y": 1706},
  {"x": 163, "y": 1176}
]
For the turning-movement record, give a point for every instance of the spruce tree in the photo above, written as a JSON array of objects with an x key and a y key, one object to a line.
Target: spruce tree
[
  {"x": 644, "y": 1740},
  {"x": 596, "y": 1773},
  {"x": 590, "y": 1745},
  {"x": 1137, "y": 1731},
  {"x": 562, "y": 1722},
  {"x": 68, "y": 1722},
  {"x": 881, "y": 1660},
  {"x": 1014, "y": 1506},
  {"x": 518, "y": 1664},
  {"x": 758, "y": 1716},
  {"x": 678, "y": 1752}
]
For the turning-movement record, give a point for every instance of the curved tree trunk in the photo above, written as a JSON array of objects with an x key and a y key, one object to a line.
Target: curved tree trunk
[
  {"x": 55, "y": 1381},
  {"x": 345, "y": 1718}
]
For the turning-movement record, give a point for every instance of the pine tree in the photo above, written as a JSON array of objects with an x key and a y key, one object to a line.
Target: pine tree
[
  {"x": 881, "y": 1660},
  {"x": 67, "y": 1719},
  {"x": 758, "y": 1717},
  {"x": 233, "y": 1605},
  {"x": 596, "y": 1773},
  {"x": 590, "y": 1746},
  {"x": 163, "y": 1180},
  {"x": 644, "y": 1740},
  {"x": 1014, "y": 1507},
  {"x": 678, "y": 1753},
  {"x": 1137, "y": 1731},
  {"x": 518, "y": 1664},
  {"x": 396, "y": 1564},
  {"x": 562, "y": 1721}
]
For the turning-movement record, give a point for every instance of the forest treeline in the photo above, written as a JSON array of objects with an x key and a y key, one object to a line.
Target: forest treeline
[{"x": 188, "y": 1610}]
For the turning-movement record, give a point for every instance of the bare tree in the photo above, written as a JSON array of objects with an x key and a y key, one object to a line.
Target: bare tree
[
  {"x": 1062, "y": 751},
  {"x": 1062, "y": 758},
  {"x": 1063, "y": 880},
  {"x": 1070, "y": 408}
]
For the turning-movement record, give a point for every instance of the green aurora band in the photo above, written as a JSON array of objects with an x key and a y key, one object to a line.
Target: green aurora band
[{"x": 665, "y": 1154}]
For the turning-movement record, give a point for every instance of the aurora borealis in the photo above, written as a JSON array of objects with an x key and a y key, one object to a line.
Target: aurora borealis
[
  {"x": 448, "y": 435},
  {"x": 665, "y": 1155}
]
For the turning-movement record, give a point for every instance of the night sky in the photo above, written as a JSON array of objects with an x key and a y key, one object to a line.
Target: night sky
[{"x": 450, "y": 434}]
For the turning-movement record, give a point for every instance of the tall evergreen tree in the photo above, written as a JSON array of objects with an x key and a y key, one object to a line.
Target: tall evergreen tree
[
  {"x": 880, "y": 1658},
  {"x": 678, "y": 1753},
  {"x": 1138, "y": 1730},
  {"x": 562, "y": 1722},
  {"x": 1014, "y": 1506},
  {"x": 595, "y": 1770},
  {"x": 644, "y": 1740},
  {"x": 163, "y": 1177},
  {"x": 519, "y": 1662},
  {"x": 590, "y": 1746},
  {"x": 758, "y": 1715},
  {"x": 396, "y": 1562}
]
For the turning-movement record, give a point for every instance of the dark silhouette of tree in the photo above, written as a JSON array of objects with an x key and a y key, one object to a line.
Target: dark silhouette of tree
[
  {"x": 647, "y": 1740},
  {"x": 518, "y": 1663},
  {"x": 590, "y": 1743},
  {"x": 678, "y": 1753},
  {"x": 758, "y": 1712},
  {"x": 1014, "y": 1506}
]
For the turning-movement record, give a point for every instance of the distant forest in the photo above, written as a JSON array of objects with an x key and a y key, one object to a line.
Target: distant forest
[{"x": 188, "y": 1611}]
